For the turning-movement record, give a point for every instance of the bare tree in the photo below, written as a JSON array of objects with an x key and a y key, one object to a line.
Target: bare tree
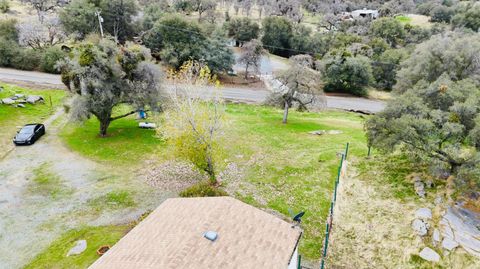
[
  {"x": 298, "y": 87},
  {"x": 37, "y": 35},
  {"x": 202, "y": 6},
  {"x": 42, "y": 7},
  {"x": 194, "y": 123},
  {"x": 288, "y": 8},
  {"x": 252, "y": 55}
]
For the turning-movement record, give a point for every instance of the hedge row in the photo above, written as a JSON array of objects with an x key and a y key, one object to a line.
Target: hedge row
[{"x": 14, "y": 56}]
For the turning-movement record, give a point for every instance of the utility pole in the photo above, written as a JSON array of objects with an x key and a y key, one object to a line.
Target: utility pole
[{"x": 100, "y": 21}]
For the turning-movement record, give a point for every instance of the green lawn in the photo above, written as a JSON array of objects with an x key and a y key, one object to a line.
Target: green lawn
[
  {"x": 403, "y": 19},
  {"x": 55, "y": 256},
  {"x": 126, "y": 144},
  {"x": 283, "y": 165},
  {"x": 11, "y": 117}
]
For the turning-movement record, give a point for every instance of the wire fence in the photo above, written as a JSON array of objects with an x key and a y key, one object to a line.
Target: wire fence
[{"x": 329, "y": 224}]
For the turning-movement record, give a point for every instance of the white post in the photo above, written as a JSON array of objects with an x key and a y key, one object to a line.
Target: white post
[{"x": 100, "y": 21}]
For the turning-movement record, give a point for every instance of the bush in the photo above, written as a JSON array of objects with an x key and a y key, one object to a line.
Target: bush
[
  {"x": 8, "y": 50},
  {"x": 8, "y": 30},
  {"x": 277, "y": 35},
  {"x": 349, "y": 75},
  {"x": 50, "y": 58},
  {"x": 4, "y": 6},
  {"x": 26, "y": 59},
  {"x": 441, "y": 14},
  {"x": 203, "y": 189}
]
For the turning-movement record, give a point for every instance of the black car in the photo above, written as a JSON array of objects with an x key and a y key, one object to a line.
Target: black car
[{"x": 29, "y": 134}]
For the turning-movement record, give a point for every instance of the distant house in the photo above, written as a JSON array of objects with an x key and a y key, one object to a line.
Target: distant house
[
  {"x": 206, "y": 233},
  {"x": 365, "y": 13}
]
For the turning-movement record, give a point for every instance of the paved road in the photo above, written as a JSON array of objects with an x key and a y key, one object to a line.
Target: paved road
[{"x": 237, "y": 94}]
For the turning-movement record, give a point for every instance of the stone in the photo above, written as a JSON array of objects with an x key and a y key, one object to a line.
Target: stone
[
  {"x": 419, "y": 188},
  {"x": 326, "y": 132},
  {"x": 429, "y": 183},
  {"x": 21, "y": 105},
  {"x": 449, "y": 244},
  {"x": 420, "y": 227},
  {"x": 32, "y": 99},
  {"x": 436, "y": 237},
  {"x": 423, "y": 213},
  {"x": 80, "y": 246},
  {"x": 429, "y": 255},
  {"x": 8, "y": 101},
  {"x": 462, "y": 226},
  {"x": 19, "y": 95},
  {"x": 438, "y": 200}
]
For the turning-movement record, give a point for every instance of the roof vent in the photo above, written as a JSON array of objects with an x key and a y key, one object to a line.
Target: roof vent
[{"x": 210, "y": 235}]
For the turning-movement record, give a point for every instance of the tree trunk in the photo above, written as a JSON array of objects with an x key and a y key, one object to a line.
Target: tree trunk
[
  {"x": 285, "y": 113},
  {"x": 211, "y": 171},
  {"x": 104, "y": 127},
  {"x": 246, "y": 71}
]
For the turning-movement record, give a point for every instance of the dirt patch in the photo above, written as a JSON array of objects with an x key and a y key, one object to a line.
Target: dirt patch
[{"x": 173, "y": 176}]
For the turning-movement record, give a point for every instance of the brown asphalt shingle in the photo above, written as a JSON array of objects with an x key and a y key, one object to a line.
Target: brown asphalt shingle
[{"x": 172, "y": 237}]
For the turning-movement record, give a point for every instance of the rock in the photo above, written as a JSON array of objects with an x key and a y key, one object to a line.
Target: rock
[
  {"x": 419, "y": 188},
  {"x": 32, "y": 99},
  {"x": 438, "y": 200},
  {"x": 326, "y": 132},
  {"x": 429, "y": 183},
  {"x": 79, "y": 247},
  {"x": 21, "y": 105},
  {"x": 424, "y": 213},
  {"x": 420, "y": 227},
  {"x": 19, "y": 95},
  {"x": 462, "y": 226},
  {"x": 429, "y": 255},
  {"x": 449, "y": 244},
  {"x": 8, "y": 101},
  {"x": 436, "y": 237}
]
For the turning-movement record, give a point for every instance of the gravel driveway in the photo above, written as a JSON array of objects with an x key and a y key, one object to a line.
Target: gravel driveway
[{"x": 29, "y": 222}]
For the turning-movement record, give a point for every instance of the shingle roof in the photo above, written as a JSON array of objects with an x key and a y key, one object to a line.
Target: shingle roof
[{"x": 172, "y": 237}]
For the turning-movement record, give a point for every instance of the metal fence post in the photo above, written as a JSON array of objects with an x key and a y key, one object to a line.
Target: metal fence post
[
  {"x": 299, "y": 262},
  {"x": 346, "y": 150}
]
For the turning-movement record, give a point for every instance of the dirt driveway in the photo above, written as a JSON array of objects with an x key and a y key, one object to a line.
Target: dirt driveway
[{"x": 30, "y": 221}]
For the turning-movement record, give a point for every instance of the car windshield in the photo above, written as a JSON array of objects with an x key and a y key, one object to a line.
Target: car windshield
[{"x": 27, "y": 129}]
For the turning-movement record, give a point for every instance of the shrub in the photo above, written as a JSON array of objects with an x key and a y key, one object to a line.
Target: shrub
[
  {"x": 8, "y": 50},
  {"x": 4, "y": 6},
  {"x": 8, "y": 30},
  {"x": 203, "y": 189},
  {"x": 26, "y": 59},
  {"x": 50, "y": 58},
  {"x": 350, "y": 75}
]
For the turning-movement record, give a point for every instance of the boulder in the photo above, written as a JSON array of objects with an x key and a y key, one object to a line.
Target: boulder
[
  {"x": 436, "y": 237},
  {"x": 423, "y": 213},
  {"x": 80, "y": 246},
  {"x": 429, "y": 255},
  {"x": 32, "y": 99},
  {"x": 449, "y": 244},
  {"x": 420, "y": 227},
  {"x": 21, "y": 105},
  {"x": 419, "y": 189},
  {"x": 8, "y": 101},
  {"x": 19, "y": 95}
]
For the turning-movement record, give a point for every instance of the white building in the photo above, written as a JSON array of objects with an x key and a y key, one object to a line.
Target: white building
[
  {"x": 206, "y": 233},
  {"x": 365, "y": 13}
]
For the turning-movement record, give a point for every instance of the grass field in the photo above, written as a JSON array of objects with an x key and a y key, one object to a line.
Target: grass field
[
  {"x": 55, "y": 256},
  {"x": 282, "y": 166},
  {"x": 11, "y": 117}
]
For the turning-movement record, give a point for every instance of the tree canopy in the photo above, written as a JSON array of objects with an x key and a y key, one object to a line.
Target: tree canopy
[
  {"x": 103, "y": 76},
  {"x": 435, "y": 123}
]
